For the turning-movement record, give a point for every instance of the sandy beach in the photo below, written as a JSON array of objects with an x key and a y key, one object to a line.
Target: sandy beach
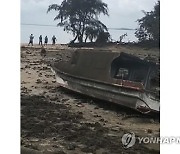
[{"x": 56, "y": 120}]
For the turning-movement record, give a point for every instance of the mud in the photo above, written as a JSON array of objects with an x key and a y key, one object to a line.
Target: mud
[{"x": 56, "y": 120}]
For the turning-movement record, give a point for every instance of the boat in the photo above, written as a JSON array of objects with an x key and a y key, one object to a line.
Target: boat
[{"x": 119, "y": 78}]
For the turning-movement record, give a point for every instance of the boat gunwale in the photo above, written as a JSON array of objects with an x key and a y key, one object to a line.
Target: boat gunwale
[{"x": 118, "y": 85}]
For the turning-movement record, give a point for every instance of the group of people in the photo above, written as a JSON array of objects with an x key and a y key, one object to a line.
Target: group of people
[{"x": 31, "y": 38}]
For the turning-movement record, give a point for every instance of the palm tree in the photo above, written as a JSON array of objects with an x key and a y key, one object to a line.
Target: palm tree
[{"x": 77, "y": 15}]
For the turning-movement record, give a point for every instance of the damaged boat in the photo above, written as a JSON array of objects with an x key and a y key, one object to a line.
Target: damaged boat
[{"x": 115, "y": 77}]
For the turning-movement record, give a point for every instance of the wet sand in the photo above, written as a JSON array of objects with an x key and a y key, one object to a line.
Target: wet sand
[{"x": 56, "y": 120}]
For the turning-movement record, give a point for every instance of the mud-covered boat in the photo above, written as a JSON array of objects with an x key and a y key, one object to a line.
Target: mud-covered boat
[{"x": 116, "y": 77}]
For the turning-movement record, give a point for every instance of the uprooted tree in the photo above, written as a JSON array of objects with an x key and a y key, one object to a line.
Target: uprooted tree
[
  {"x": 81, "y": 18},
  {"x": 149, "y": 26}
]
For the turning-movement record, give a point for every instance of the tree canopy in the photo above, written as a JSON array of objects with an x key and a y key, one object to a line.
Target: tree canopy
[
  {"x": 81, "y": 18},
  {"x": 149, "y": 26}
]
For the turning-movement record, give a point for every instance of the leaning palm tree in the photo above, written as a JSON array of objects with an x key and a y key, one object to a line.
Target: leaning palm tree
[{"x": 76, "y": 15}]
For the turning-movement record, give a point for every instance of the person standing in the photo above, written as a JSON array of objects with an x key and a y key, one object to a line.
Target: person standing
[
  {"x": 54, "y": 40},
  {"x": 40, "y": 40},
  {"x": 31, "y": 40},
  {"x": 46, "y": 40}
]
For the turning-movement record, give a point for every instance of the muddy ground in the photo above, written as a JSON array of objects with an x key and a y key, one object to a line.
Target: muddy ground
[{"x": 56, "y": 120}]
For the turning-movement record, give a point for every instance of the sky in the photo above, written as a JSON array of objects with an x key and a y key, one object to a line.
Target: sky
[{"x": 122, "y": 14}]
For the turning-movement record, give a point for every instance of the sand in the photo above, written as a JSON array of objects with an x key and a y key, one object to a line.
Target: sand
[{"x": 56, "y": 120}]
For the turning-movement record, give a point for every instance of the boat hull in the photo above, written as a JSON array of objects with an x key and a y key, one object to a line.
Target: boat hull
[{"x": 109, "y": 92}]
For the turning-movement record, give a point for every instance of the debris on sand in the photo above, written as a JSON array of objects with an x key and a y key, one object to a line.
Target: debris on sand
[{"x": 55, "y": 120}]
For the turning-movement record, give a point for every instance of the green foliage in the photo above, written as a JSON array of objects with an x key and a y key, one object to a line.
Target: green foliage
[
  {"x": 80, "y": 17},
  {"x": 103, "y": 37},
  {"x": 93, "y": 29},
  {"x": 149, "y": 29}
]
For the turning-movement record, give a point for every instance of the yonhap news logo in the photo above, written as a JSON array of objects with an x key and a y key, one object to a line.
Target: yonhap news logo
[{"x": 129, "y": 139}]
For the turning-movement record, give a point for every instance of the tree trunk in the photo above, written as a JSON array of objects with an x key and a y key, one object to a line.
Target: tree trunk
[
  {"x": 74, "y": 39},
  {"x": 86, "y": 38}
]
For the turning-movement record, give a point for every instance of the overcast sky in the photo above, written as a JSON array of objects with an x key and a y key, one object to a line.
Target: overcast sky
[{"x": 122, "y": 14}]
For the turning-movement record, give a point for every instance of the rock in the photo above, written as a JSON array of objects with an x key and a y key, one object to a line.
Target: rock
[
  {"x": 102, "y": 120},
  {"x": 38, "y": 81},
  {"x": 44, "y": 68},
  {"x": 149, "y": 131},
  {"x": 96, "y": 116},
  {"x": 46, "y": 76},
  {"x": 54, "y": 139},
  {"x": 97, "y": 124},
  {"x": 55, "y": 146},
  {"x": 27, "y": 66},
  {"x": 80, "y": 113},
  {"x": 44, "y": 92},
  {"x": 40, "y": 74}
]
